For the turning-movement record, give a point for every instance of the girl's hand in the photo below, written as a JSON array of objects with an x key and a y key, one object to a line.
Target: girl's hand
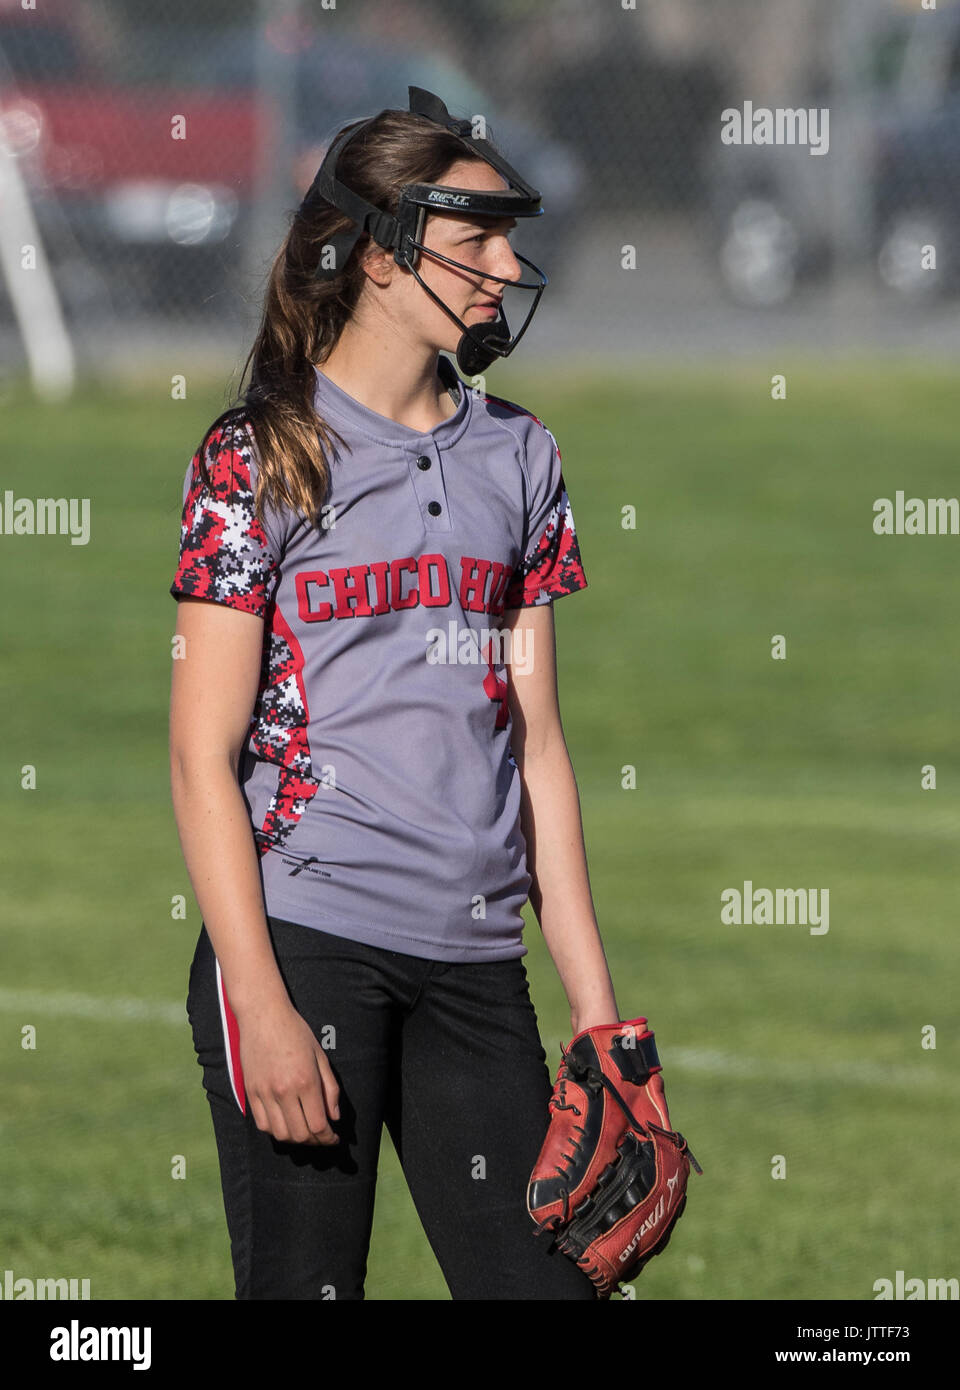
[{"x": 290, "y": 1085}]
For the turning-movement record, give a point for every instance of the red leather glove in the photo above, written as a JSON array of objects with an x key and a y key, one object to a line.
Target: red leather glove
[{"x": 610, "y": 1181}]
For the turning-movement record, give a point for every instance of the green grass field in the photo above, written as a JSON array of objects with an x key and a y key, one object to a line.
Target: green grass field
[{"x": 753, "y": 518}]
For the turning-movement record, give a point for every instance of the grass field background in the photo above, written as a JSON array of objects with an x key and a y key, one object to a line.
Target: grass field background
[{"x": 754, "y": 518}]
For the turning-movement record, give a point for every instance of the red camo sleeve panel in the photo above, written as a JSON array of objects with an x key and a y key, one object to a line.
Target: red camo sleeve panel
[
  {"x": 552, "y": 565},
  {"x": 225, "y": 553}
]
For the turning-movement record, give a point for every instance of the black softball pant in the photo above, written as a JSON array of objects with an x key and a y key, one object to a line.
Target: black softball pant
[{"x": 449, "y": 1057}]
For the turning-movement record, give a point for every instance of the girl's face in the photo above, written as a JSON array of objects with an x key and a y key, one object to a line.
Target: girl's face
[{"x": 482, "y": 244}]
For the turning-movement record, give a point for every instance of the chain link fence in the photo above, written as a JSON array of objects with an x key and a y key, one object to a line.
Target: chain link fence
[{"x": 767, "y": 166}]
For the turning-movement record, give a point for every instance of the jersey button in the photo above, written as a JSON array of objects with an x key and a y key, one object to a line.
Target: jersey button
[
  {"x": 423, "y": 461},
  {"x": 434, "y": 508}
]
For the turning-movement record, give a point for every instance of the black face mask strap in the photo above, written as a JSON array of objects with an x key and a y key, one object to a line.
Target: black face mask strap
[{"x": 381, "y": 226}]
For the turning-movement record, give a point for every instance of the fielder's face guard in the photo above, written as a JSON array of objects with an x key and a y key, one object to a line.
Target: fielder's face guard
[{"x": 403, "y": 234}]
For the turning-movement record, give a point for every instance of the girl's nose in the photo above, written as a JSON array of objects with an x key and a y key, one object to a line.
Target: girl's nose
[{"x": 507, "y": 264}]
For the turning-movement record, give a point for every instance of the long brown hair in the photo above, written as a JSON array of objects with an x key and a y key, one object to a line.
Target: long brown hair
[{"x": 304, "y": 316}]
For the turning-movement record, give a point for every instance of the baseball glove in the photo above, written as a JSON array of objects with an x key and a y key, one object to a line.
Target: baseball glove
[{"x": 611, "y": 1178}]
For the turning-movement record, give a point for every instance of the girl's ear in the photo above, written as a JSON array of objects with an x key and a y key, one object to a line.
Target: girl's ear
[{"x": 377, "y": 263}]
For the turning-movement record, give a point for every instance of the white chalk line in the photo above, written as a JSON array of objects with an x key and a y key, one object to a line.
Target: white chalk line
[
  {"x": 116, "y": 1009},
  {"x": 106, "y": 1010},
  {"x": 818, "y": 1069}
]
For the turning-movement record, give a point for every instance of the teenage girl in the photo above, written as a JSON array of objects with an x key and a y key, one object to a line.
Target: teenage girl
[{"x": 369, "y": 772}]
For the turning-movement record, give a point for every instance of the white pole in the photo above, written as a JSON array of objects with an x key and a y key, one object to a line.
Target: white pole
[
  {"x": 33, "y": 294},
  {"x": 273, "y": 181}
]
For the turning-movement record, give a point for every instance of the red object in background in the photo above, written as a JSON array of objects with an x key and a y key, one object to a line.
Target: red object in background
[{"x": 91, "y": 137}]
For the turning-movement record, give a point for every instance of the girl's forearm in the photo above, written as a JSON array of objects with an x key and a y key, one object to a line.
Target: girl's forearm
[
  {"x": 560, "y": 892},
  {"x": 221, "y": 858}
]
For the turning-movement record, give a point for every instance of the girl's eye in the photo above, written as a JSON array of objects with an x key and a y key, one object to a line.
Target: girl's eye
[{"x": 482, "y": 236}]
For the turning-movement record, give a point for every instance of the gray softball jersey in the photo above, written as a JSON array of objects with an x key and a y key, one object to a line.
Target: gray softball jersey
[{"x": 377, "y": 771}]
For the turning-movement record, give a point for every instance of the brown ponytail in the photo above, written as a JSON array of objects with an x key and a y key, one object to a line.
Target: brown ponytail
[{"x": 303, "y": 316}]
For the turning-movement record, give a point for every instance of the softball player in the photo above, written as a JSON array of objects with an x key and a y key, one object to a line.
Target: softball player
[{"x": 367, "y": 785}]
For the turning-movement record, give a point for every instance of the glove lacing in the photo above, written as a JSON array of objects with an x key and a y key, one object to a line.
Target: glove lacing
[
  {"x": 593, "y": 1079},
  {"x": 558, "y": 1102}
]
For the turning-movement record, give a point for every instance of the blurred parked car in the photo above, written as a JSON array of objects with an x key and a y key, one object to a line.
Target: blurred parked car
[
  {"x": 772, "y": 209},
  {"x": 916, "y": 189},
  {"x": 129, "y": 215}
]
